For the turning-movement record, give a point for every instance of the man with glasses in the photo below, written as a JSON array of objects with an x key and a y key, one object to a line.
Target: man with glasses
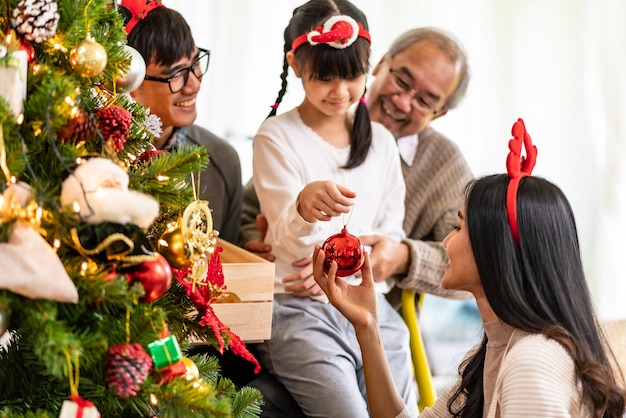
[
  {"x": 174, "y": 70},
  {"x": 422, "y": 76}
]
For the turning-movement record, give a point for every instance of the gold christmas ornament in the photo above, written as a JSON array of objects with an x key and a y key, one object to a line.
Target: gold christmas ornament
[
  {"x": 172, "y": 246},
  {"x": 88, "y": 58},
  {"x": 191, "y": 369},
  {"x": 228, "y": 297},
  {"x": 201, "y": 238}
]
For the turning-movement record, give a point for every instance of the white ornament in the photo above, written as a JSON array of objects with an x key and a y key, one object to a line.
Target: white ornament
[
  {"x": 153, "y": 124},
  {"x": 98, "y": 191},
  {"x": 69, "y": 409},
  {"x": 13, "y": 71}
]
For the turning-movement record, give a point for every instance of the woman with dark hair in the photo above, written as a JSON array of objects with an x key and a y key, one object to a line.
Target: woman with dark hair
[
  {"x": 317, "y": 168},
  {"x": 515, "y": 248}
]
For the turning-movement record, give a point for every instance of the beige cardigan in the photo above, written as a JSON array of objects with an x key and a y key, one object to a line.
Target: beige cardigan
[{"x": 536, "y": 379}]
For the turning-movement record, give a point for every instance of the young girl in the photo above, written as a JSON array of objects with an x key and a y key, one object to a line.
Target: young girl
[
  {"x": 515, "y": 247},
  {"x": 317, "y": 168}
]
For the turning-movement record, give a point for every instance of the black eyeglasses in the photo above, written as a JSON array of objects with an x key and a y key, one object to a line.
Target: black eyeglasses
[
  {"x": 417, "y": 100},
  {"x": 179, "y": 79}
]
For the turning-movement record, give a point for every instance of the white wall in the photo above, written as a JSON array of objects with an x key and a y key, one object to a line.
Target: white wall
[{"x": 558, "y": 64}]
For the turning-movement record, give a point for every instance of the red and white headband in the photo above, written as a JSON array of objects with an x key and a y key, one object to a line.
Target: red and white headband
[
  {"x": 517, "y": 167},
  {"x": 338, "y": 31}
]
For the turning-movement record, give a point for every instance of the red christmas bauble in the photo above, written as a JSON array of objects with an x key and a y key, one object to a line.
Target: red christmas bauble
[
  {"x": 346, "y": 250},
  {"x": 155, "y": 277}
]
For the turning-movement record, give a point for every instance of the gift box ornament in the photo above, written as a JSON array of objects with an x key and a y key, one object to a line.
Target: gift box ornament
[
  {"x": 13, "y": 71},
  {"x": 165, "y": 352},
  {"x": 78, "y": 408},
  {"x": 172, "y": 372}
]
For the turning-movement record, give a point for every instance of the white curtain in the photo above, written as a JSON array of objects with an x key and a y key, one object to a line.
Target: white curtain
[{"x": 558, "y": 64}]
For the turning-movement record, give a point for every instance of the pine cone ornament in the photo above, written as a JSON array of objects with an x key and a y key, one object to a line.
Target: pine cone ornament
[
  {"x": 128, "y": 366},
  {"x": 36, "y": 20},
  {"x": 114, "y": 123},
  {"x": 78, "y": 129}
]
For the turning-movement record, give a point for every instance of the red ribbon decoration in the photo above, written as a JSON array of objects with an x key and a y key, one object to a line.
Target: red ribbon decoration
[
  {"x": 203, "y": 296},
  {"x": 517, "y": 167},
  {"x": 341, "y": 31}
]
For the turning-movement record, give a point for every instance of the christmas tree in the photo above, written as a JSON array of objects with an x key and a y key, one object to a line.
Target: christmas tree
[{"x": 108, "y": 263}]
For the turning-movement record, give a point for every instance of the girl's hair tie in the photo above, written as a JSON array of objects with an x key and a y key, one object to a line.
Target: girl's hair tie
[
  {"x": 518, "y": 167},
  {"x": 338, "y": 31}
]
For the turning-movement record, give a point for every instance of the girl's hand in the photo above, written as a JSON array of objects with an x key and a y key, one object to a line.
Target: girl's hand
[
  {"x": 322, "y": 200},
  {"x": 356, "y": 303}
]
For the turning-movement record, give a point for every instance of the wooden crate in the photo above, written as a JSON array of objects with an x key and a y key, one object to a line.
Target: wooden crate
[{"x": 252, "y": 279}]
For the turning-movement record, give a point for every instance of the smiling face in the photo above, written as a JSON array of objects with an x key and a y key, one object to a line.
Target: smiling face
[
  {"x": 326, "y": 97},
  {"x": 175, "y": 109},
  {"x": 332, "y": 97},
  {"x": 427, "y": 76},
  {"x": 461, "y": 273}
]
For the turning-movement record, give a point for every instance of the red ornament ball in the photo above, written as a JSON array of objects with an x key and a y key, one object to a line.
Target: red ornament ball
[
  {"x": 155, "y": 277},
  {"x": 346, "y": 250}
]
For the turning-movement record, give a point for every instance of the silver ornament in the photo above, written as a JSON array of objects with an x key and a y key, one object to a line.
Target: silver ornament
[
  {"x": 4, "y": 321},
  {"x": 135, "y": 75}
]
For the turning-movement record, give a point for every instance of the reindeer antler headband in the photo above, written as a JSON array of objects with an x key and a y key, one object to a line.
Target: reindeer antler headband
[
  {"x": 136, "y": 10},
  {"x": 517, "y": 167},
  {"x": 338, "y": 31}
]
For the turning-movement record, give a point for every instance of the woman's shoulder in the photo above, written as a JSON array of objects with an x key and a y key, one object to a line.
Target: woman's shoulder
[
  {"x": 536, "y": 353},
  {"x": 537, "y": 378}
]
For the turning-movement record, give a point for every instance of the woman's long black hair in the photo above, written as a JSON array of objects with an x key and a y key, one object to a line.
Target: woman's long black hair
[
  {"x": 324, "y": 62},
  {"x": 537, "y": 287}
]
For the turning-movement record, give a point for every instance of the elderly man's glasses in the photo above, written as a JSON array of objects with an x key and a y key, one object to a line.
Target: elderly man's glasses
[
  {"x": 401, "y": 82},
  {"x": 179, "y": 79}
]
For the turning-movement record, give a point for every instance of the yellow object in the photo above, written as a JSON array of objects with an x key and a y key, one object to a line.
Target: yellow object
[
  {"x": 173, "y": 247},
  {"x": 191, "y": 369},
  {"x": 423, "y": 375},
  {"x": 88, "y": 58}
]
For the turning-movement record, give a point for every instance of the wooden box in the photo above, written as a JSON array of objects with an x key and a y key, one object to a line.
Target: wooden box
[{"x": 251, "y": 278}]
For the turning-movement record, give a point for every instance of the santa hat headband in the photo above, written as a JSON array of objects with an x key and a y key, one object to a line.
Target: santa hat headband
[
  {"x": 338, "y": 31},
  {"x": 517, "y": 167},
  {"x": 136, "y": 10}
]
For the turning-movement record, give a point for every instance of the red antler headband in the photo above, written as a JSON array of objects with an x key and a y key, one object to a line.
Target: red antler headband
[
  {"x": 518, "y": 167},
  {"x": 138, "y": 10},
  {"x": 338, "y": 31}
]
